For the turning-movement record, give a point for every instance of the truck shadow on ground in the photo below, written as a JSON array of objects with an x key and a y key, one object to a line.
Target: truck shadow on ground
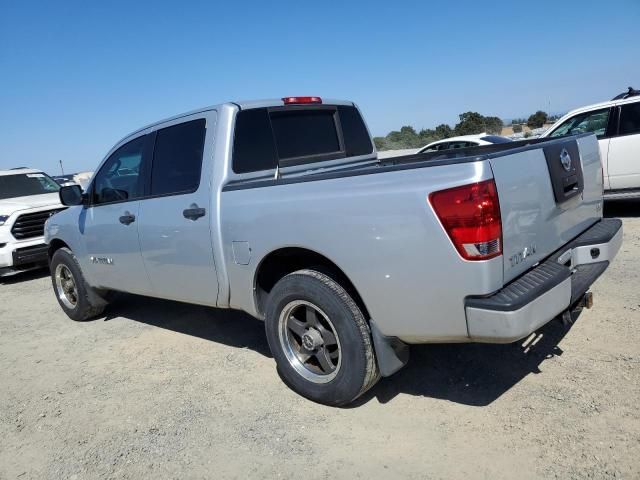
[
  {"x": 470, "y": 374},
  {"x": 228, "y": 327},
  {"x": 25, "y": 276}
]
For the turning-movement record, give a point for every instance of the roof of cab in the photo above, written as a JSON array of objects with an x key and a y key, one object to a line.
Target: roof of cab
[
  {"x": 242, "y": 105},
  {"x": 18, "y": 171}
]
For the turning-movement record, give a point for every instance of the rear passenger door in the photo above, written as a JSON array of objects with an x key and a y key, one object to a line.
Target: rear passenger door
[
  {"x": 175, "y": 219},
  {"x": 624, "y": 149}
]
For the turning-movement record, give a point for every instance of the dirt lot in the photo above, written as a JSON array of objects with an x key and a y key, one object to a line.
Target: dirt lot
[{"x": 165, "y": 390}]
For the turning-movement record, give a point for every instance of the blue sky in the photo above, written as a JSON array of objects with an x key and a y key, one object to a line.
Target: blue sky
[{"x": 75, "y": 77}]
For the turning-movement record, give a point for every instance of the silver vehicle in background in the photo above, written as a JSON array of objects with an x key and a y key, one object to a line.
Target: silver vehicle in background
[{"x": 281, "y": 209}]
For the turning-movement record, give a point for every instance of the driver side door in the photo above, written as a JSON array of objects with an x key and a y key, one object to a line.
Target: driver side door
[{"x": 110, "y": 224}]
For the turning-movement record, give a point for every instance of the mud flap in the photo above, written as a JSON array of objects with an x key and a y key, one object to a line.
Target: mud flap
[{"x": 391, "y": 353}]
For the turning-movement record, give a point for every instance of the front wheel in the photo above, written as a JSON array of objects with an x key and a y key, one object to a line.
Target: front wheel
[
  {"x": 320, "y": 339},
  {"x": 72, "y": 291}
]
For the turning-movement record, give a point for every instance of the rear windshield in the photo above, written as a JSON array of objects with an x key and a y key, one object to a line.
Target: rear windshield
[
  {"x": 305, "y": 133},
  {"x": 289, "y": 136},
  {"x": 26, "y": 184}
]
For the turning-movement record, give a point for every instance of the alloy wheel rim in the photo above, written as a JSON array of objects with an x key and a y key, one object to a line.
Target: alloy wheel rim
[
  {"x": 309, "y": 341},
  {"x": 66, "y": 286}
]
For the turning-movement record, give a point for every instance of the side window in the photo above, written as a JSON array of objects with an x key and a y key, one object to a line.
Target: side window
[
  {"x": 630, "y": 118},
  {"x": 119, "y": 178},
  {"x": 354, "y": 132},
  {"x": 454, "y": 145},
  {"x": 588, "y": 122},
  {"x": 177, "y": 158},
  {"x": 438, "y": 146}
]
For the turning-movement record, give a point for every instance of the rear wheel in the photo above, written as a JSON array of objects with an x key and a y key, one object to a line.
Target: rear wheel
[
  {"x": 320, "y": 339},
  {"x": 73, "y": 293}
]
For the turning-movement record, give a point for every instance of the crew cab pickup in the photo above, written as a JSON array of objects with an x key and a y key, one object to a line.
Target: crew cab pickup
[
  {"x": 27, "y": 199},
  {"x": 281, "y": 208}
]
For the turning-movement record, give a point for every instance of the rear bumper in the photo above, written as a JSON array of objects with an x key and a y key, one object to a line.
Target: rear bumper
[{"x": 547, "y": 290}]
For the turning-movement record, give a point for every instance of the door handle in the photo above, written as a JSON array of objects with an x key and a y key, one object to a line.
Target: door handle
[
  {"x": 194, "y": 212},
  {"x": 127, "y": 218}
]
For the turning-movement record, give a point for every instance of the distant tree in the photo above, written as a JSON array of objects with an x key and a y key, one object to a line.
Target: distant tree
[
  {"x": 443, "y": 131},
  {"x": 527, "y": 134},
  {"x": 517, "y": 128},
  {"x": 379, "y": 143},
  {"x": 518, "y": 121},
  {"x": 394, "y": 136},
  {"x": 470, "y": 123},
  {"x": 537, "y": 120},
  {"x": 493, "y": 125}
]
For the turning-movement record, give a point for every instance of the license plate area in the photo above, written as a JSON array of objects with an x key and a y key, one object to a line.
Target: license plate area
[{"x": 565, "y": 169}]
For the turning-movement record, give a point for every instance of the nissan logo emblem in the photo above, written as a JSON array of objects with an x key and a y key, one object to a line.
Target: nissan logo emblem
[{"x": 565, "y": 159}]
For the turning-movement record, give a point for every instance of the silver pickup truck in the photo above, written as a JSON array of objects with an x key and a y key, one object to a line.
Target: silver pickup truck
[{"x": 281, "y": 208}]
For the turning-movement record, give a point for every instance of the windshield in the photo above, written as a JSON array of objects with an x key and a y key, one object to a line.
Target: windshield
[{"x": 25, "y": 184}]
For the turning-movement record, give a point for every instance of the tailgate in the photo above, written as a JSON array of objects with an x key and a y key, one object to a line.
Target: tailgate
[{"x": 549, "y": 193}]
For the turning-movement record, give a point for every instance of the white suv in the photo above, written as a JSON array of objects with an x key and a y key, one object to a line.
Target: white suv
[
  {"x": 27, "y": 199},
  {"x": 617, "y": 125}
]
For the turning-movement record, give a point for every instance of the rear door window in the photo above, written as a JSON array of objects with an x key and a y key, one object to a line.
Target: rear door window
[
  {"x": 630, "y": 118},
  {"x": 177, "y": 158}
]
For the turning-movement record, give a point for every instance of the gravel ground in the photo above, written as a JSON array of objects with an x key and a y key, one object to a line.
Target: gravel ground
[{"x": 166, "y": 390}]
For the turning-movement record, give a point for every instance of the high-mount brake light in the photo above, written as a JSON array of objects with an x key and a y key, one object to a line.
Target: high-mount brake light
[
  {"x": 470, "y": 215},
  {"x": 301, "y": 100}
]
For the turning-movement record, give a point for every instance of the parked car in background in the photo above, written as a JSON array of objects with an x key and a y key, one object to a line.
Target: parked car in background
[
  {"x": 464, "y": 141},
  {"x": 82, "y": 179},
  {"x": 27, "y": 199},
  {"x": 616, "y": 123},
  {"x": 281, "y": 209},
  {"x": 64, "y": 180}
]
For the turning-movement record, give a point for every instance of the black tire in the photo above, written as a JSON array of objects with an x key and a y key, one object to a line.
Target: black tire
[
  {"x": 356, "y": 370},
  {"x": 87, "y": 303}
]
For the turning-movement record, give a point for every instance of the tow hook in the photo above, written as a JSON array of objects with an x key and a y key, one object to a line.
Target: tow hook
[{"x": 585, "y": 302}]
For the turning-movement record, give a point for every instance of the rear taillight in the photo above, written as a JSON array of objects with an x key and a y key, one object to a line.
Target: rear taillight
[
  {"x": 471, "y": 217},
  {"x": 301, "y": 100}
]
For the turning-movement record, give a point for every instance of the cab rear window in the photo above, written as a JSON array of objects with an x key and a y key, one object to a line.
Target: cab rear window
[
  {"x": 305, "y": 133},
  {"x": 286, "y": 136}
]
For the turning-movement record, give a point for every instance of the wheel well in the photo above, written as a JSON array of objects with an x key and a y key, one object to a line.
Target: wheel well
[
  {"x": 287, "y": 260},
  {"x": 56, "y": 244}
]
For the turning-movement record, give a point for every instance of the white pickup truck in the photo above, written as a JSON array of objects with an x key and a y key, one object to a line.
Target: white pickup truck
[
  {"x": 27, "y": 199},
  {"x": 281, "y": 208}
]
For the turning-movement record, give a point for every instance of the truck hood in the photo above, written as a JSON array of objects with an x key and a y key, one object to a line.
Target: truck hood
[{"x": 11, "y": 205}]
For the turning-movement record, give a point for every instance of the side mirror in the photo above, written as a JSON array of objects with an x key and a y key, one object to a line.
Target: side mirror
[{"x": 71, "y": 195}]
